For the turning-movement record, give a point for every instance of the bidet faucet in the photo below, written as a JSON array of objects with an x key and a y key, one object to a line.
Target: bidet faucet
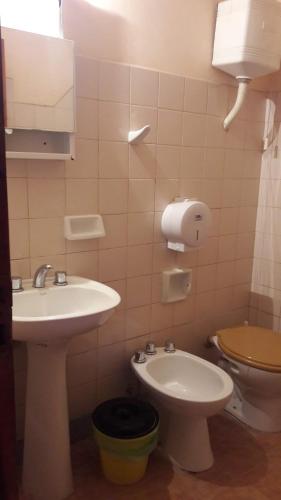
[
  {"x": 139, "y": 357},
  {"x": 40, "y": 276},
  {"x": 150, "y": 348},
  {"x": 170, "y": 346}
]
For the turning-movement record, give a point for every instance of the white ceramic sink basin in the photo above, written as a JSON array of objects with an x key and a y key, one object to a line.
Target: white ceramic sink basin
[{"x": 55, "y": 312}]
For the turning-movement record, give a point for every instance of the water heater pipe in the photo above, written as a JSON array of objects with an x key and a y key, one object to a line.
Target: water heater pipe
[{"x": 241, "y": 95}]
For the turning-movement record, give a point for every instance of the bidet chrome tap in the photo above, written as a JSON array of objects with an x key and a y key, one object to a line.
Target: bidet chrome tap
[
  {"x": 40, "y": 276},
  {"x": 150, "y": 348},
  {"x": 139, "y": 357},
  {"x": 170, "y": 346}
]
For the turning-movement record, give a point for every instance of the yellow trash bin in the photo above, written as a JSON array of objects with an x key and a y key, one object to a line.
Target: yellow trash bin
[{"x": 126, "y": 430}]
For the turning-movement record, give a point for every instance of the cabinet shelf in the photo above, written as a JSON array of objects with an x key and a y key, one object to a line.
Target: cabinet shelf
[{"x": 39, "y": 145}]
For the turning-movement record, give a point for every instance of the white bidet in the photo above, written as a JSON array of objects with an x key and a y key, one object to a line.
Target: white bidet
[{"x": 189, "y": 389}]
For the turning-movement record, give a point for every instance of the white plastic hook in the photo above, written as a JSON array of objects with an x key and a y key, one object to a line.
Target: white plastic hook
[{"x": 136, "y": 136}]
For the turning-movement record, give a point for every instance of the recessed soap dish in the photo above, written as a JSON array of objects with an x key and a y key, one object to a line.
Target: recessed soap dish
[
  {"x": 176, "y": 284},
  {"x": 83, "y": 227}
]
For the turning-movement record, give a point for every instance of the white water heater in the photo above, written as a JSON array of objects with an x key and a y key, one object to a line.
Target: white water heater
[{"x": 247, "y": 41}]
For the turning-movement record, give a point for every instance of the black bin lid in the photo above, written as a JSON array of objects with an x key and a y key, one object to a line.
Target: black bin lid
[{"x": 125, "y": 418}]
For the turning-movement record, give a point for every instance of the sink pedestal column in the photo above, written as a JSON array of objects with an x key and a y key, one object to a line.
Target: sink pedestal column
[{"x": 47, "y": 466}]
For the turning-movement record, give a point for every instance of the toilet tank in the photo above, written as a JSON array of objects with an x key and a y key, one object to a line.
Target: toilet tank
[{"x": 248, "y": 37}]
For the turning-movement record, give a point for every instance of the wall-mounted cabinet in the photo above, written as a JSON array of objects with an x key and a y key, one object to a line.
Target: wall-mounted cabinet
[{"x": 39, "y": 83}]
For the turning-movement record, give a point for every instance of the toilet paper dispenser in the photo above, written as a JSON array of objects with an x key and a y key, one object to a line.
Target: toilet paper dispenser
[{"x": 185, "y": 224}]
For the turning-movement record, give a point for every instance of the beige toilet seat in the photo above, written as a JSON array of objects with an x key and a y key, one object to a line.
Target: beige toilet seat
[{"x": 253, "y": 346}]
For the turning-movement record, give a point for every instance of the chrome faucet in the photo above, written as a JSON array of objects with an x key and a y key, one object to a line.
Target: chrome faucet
[{"x": 40, "y": 276}]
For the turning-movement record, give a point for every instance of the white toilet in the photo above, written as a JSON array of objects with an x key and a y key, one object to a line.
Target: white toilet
[
  {"x": 189, "y": 389},
  {"x": 252, "y": 357}
]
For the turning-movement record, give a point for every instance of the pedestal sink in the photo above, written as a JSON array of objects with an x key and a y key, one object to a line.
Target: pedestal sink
[{"x": 47, "y": 319}]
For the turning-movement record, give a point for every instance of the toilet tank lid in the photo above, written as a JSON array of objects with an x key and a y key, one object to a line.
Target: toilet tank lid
[{"x": 252, "y": 345}]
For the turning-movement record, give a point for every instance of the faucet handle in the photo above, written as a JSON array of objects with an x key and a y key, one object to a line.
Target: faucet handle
[
  {"x": 170, "y": 346},
  {"x": 60, "y": 278},
  {"x": 139, "y": 357},
  {"x": 17, "y": 284},
  {"x": 150, "y": 348}
]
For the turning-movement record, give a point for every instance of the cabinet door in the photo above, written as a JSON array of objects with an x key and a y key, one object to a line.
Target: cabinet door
[
  {"x": 8, "y": 475},
  {"x": 39, "y": 80}
]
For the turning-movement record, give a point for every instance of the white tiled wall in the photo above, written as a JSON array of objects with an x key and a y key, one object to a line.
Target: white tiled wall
[{"x": 187, "y": 153}]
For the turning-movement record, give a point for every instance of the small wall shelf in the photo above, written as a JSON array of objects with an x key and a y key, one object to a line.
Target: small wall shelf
[
  {"x": 22, "y": 155},
  {"x": 39, "y": 145}
]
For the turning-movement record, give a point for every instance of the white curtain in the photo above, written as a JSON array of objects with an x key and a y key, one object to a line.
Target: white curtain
[{"x": 37, "y": 16}]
